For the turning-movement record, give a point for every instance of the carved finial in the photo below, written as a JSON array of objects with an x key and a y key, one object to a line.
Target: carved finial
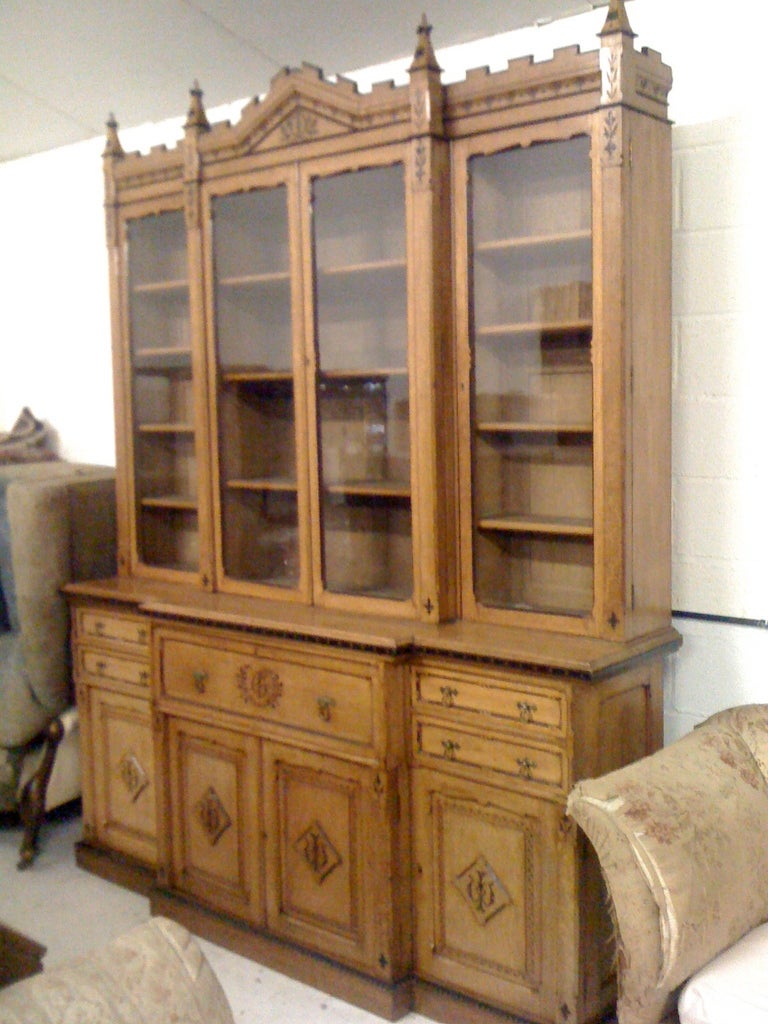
[
  {"x": 113, "y": 146},
  {"x": 424, "y": 57},
  {"x": 617, "y": 20},
  {"x": 196, "y": 117}
]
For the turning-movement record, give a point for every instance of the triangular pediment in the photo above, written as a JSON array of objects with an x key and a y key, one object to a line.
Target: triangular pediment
[{"x": 302, "y": 107}]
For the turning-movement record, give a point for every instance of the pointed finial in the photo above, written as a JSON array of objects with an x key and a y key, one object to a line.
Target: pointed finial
[
  {"x": 617, "y": 20},
  {"x": 196, "y": 117},
  {"x": 113, "y": 146},
  {"x": 424, "y": 57}
]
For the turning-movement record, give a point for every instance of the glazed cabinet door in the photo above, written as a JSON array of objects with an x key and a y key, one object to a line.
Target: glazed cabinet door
[
  {"x": 486, "y": 894},
  {"x": 524, "y": 235},
  {"x": 119, "y": 765},
  {"x": 335, "y": 873},
  {"x": 212, "y": 807},
  {"x": 361, "y": 393},
  {"x": 156, "y": 386},
  {"x": 261, "y": 515}
]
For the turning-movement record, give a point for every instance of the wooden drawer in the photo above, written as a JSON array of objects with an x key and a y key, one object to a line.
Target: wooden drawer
[
  {"x": 322, "y": 694},
  {"x": 437, "y": 743},
  {"x": 535, "y": 709},
  {"x": 102, "y": 665},
  {"x": 97, "y": 624}
]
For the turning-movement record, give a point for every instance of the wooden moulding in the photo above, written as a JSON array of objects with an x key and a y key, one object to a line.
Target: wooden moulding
[{"x": 388, "y": 1001}]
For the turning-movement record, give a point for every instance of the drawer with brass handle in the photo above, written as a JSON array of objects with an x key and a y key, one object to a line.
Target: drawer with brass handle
[
  {"x": 322, "y": 696},
  {"x": 105, "y": 665},
  {"x": 436, "y": 743},
  {"x": 534, "y": 708},
  {"x": 108, "y": 627}
]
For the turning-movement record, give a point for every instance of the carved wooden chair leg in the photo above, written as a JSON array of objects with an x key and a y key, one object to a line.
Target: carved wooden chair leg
[{"x": 32, "y": 804}]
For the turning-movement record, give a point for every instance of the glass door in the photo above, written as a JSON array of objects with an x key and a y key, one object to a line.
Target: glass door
[
  {"x": 530, "y": 331},
  {"x": 256, "y": 397},
  {"x": 362, "y": 383},
  {"x": 164, "y": 454}
]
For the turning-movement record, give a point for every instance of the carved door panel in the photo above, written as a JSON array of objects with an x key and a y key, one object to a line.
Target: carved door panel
[
  {"x": 216, "y": 835},
  {"x": 123, "y": 767},
  {"x": 487, "y": 893},
  {"x": 329, "y": 874}
]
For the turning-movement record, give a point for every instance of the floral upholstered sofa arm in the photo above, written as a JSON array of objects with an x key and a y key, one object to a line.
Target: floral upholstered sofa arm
[
  {"x": 155, "y": 972},
  {"x": 682, "y": 840}
]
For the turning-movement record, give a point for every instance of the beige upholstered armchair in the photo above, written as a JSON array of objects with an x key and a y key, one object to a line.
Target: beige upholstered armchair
[{"x": 57, "y": 523}]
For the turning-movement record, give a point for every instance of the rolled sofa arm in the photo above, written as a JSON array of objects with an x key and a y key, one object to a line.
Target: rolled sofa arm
[
  {"x": 680, "y": 837},
  {"x": 155, "y": 972}
]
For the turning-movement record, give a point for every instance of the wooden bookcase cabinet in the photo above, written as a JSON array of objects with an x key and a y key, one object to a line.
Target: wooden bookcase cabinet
[{"x": 392, "y": 403}]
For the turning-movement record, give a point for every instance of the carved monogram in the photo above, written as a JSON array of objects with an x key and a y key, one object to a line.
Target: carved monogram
[
  {"x": 212, "y": 815},
  {"x": 482, "y": 889},
  {"x": 317, "y": 851},
  {"x": 261, "y": 687},
  {"x": 133, "y": 776}
]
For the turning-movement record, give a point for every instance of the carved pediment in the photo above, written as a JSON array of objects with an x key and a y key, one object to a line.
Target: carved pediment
[{"x": 302, "y": 106}]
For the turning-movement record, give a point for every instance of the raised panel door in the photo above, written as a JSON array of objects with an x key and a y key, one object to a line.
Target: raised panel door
[
  {"x": 333, "y": 864},
  {"x": 486, "y": 893},
  {"x": 123, "y": 784},
  {"x": 215, "y": 843}
]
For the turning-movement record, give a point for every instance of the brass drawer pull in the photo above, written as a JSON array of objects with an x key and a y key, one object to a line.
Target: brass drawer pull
[
  {"x": 99, "y": 627},
  {"x": 144, "y": 676},
  {"x": 526, "y": 766},
  {"x": 449, "y": 749},
  {"x": 527, "y": 710},
  {"x": 325, "y": 706},
  {"x": 101, "y": 667},
  {"x": 200, "y": 679},
  {"x": 448, "y": 694}
]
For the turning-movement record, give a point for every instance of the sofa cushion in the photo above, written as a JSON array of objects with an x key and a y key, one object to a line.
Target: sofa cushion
[
  {"x": 677, "y": 836},
  {"x": 731, "y": 988},
  {"x": 156, "y": 972}
]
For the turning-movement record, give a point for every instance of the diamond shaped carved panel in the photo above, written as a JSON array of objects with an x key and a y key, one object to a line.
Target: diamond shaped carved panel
[
  {"x": 317, "y": 851},
  {"x": 212, "y": 816},
  {"x": 482, "y": 889}
]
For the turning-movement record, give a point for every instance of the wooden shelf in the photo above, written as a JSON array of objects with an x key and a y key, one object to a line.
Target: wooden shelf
[
  {"x": 542, "y": 241},
  {"x": 536, "y": 328},
  {"x": 161, "y": 287},
  {"x": 370, "y": 488},
  {"x": 254, "y": 280},
  {"x": 368, "y": 267},
  {"x": 248, "y": 376},
  {"x": 166, "y": 428},
  {"x": 162, "y": 360},
  {"x": 262, "y": 484},
  {"x": 520, "y": 427},
  {"x": 372, "y": 373},
  {"x": 170, "y": 501},
  {"x": 545, "y": 525}
]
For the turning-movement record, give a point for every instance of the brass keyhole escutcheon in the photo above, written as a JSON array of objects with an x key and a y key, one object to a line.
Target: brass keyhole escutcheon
[
  {"x": 200, "y": 679},
  {"x": 325, "y": 706},
  {"x": 448, "y": 695},
  {"x": 449, "y": 749}
]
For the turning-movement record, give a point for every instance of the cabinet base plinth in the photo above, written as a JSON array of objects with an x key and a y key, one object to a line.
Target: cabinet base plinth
[
  {"x": 390, "y": 1001},
  {"x": 115, "y": 867},
  {"x": 448, "y": 1007}
]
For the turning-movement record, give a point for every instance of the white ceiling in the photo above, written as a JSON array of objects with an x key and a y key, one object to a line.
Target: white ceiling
[{"x": 64, "y": 66}]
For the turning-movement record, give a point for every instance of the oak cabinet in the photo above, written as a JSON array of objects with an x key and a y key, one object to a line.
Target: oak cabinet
[
  {"x": 393, "y": 431},
  {"x": 112, "y": 677}
]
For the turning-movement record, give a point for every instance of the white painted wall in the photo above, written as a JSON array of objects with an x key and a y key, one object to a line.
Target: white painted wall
[{"x": 54, "y": 321}]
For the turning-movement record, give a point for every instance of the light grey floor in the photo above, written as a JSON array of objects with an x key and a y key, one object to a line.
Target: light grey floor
[{"x": 71, "y": 912}]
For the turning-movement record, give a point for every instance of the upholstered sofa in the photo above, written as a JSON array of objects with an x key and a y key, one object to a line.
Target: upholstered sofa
[
  {"x": 57, "y": 524},
  {"x": 682, "y": 840},
  {"x": 156, "y": 972}
]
